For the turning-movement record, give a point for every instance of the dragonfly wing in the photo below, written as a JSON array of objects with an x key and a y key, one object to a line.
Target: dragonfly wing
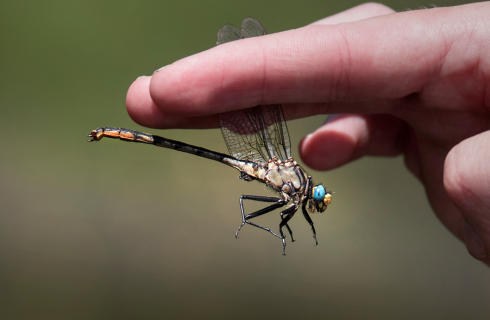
[
  {"x": 256, "y": 134},
  {"x": 277, "y": 130},
  {"x": 260, "y": 133},
  {"x": 252, "y": 28},
  {"x": 228, "y": 33}
]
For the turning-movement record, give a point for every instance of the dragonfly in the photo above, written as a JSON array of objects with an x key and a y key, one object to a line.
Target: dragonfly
[{"x": 259, "y": 148}]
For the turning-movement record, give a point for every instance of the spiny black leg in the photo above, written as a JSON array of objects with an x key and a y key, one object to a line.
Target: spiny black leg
[
  {"x": 287, "y": 226},
  {"x": 261, "y": 198},
  {"x": 307, "y": 217},
  {"x": 289, "y": 213},
  {"x": 279, "y": 203}
]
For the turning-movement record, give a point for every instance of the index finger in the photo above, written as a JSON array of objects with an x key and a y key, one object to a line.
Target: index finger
[{"x": 361, "y": 67}]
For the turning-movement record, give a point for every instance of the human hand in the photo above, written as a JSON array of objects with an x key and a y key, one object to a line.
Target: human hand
[{"x": 414, "y": 83}]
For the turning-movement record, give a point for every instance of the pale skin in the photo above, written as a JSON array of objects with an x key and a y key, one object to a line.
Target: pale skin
[{"x": 415, "y": 83}]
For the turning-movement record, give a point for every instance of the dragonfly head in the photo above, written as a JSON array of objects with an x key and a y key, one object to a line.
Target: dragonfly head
[{"x": 320, "y": 199}]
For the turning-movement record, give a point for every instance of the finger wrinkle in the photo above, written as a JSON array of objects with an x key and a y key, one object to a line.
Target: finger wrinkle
[
  {"x": 345, "y": 61},
  {"x": 467, "y": 178}
]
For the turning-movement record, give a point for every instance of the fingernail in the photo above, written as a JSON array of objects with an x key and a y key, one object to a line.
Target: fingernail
[
  {"x": 141, "y": 77},
  {"x": 161, "y": 68},
  {"x": 332, "y": 117},
  {"x": 473, "y": 242}
]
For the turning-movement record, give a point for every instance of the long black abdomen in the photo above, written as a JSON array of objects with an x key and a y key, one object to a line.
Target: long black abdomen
[
  {"x": 184, "y": 147},
  {"x": 137, "y": 136}
]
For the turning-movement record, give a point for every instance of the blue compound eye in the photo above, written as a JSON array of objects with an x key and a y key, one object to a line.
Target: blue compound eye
[{"x": 319, "y": 193}]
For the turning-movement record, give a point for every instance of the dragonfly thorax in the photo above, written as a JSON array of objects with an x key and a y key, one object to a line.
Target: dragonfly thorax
[{"x": 286, "y": 177}]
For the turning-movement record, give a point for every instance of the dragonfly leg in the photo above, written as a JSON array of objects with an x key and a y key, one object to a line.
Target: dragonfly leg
[
  {"x": 287, "y": 226},
  {"x": 245, "y": 177},
  {"x": 307, "y": 217},
  {"x": 288, "y": 213},
  {"x": 245, "y": 218}
]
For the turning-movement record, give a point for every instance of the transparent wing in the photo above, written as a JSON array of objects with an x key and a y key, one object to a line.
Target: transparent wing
[
  {"x": 256, "y": 134},
  {"x": 250, "y": 28},
  {"x": 260, "y": 133},
  {"x": 228, "y": 33}
]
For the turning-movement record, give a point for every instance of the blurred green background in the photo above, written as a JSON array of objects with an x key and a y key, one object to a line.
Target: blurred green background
[{"x": 112, "y": 230}]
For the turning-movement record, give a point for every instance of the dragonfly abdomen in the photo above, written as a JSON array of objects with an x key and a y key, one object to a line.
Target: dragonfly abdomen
[
  {"x": 188, "y": 148},
  {"x": 141, "y": 137}
]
